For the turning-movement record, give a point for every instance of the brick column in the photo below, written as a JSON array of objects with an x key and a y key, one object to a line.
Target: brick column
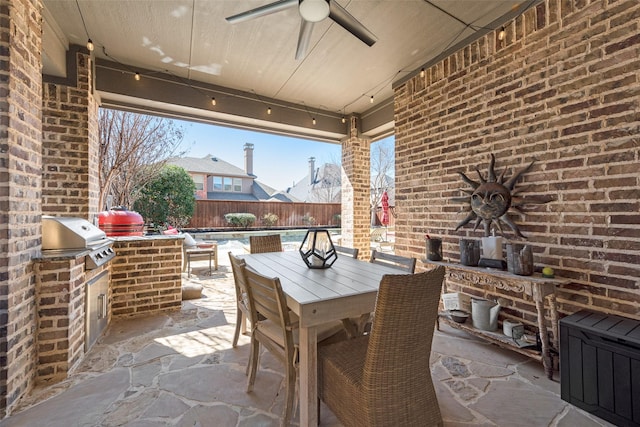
[
  {"x": 70, "y": 141},
  {"x": 20, "y": 192},
  {"x": 356, "y": 188}
]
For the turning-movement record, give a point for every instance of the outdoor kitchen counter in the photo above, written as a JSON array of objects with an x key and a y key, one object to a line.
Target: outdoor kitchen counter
[
  {"x": 62, "y": 254},
  {"x": 146, "y": 274},
  {"x": 149, "y": 237}
]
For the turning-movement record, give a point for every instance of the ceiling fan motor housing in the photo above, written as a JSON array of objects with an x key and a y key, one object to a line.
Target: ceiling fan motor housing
[{"x": 314, "y": 10}]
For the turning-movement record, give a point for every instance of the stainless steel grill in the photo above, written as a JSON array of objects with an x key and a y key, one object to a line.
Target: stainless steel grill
[{"x": 68, "y": 234}]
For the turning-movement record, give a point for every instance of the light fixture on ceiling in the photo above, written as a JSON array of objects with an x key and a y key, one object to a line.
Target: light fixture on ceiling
[
  {"x": 269, "y": 110},
  {"x": 314, "y": 10},
  {"x": 213, "y": 101},
  {"x": 422, "y": 72},
  {"x": 137, "y": 76},
  {"x": 501, "y": 34},
  {"x": 89, "y": 44}
]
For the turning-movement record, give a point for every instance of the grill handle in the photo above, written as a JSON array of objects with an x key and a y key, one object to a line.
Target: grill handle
[{"x": 102, "y": 306}]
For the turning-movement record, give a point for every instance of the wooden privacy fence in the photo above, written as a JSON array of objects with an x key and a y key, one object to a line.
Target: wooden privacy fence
[{"x": 210, "y": 213}]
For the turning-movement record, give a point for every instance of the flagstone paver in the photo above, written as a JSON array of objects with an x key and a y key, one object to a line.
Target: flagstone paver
[{"x": 179, "y": 369}]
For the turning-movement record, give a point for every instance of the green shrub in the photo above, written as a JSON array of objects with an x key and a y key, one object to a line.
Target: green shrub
[
  {"x": 269, "y": 219},
  {"x": 241, "y": 220},
  {"x": 337, "y": 219},
  {"x": 168, "y": 199}
]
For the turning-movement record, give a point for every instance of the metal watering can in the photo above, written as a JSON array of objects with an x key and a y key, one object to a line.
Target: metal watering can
[{"x": 484, "y": 314}]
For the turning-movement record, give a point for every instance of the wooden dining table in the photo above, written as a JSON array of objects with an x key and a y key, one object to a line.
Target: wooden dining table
[{"x": 347, "y": 289}]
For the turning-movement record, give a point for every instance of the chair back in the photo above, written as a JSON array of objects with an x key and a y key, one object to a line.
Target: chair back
[
  {"x": 391, "y": 260},
  {"x": 237, "y": 266},
  {"x": 397, "y": 362},
  {"x": 275, "y": 328},
  {"x": 262, "y": 244},
  {"x": 343, "y": 250}
]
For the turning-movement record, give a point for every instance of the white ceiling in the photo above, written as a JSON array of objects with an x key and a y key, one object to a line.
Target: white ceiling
[{"x": 190, "y": 41}]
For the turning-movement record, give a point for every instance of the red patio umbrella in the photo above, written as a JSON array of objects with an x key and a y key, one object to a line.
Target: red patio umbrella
[{"x": 385, "y": 209}]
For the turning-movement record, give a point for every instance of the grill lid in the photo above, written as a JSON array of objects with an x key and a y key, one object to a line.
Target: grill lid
[{"x": 70, "y": 233}]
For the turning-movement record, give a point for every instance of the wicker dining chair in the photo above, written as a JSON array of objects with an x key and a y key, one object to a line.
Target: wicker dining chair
[
  {"x": 343, "y": 250},
  {"x": 384, "y": 378},
  {"x": 262, "y": 244},
  {"x": 391, "y": 260},
  {"x": 276, "y": 328},
  {"x": 408, "y": 265}
]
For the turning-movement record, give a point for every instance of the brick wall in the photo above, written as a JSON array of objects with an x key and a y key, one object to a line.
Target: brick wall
[
  {"x": 20, "y": 185},
  {"x": 70, "y": 143},
  {"x": 355, "y": 191},
  {"x": 60, "y": 294},
  {"x": 562, "y": 89},
  {"x": 146, "y": 275}
]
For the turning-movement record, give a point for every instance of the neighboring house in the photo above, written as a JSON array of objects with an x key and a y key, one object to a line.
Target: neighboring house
[
  {"x": 216, "y": 179},
  {"x": 321, "y": 185}
]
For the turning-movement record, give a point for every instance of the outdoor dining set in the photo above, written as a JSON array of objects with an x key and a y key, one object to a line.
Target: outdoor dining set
[{"x": 356, "y": 335}]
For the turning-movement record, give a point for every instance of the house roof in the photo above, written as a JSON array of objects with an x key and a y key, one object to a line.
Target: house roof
[
  {"x": 326, "y": 184},
  {"x": 210, "y": 165}
]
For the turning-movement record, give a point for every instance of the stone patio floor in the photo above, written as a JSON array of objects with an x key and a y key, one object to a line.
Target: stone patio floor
[{"x": 179, "y": 369}]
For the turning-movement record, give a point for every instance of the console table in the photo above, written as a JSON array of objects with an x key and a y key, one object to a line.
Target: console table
[{"x": 538, "y": 288}]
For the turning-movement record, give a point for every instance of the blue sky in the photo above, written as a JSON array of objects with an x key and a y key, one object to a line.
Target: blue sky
[{"x": 278, "y": 161}]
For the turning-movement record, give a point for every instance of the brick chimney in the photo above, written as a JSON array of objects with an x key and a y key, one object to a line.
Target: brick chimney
[
  {"x": 312, "y": 170},
  {"x": 248, "y": 158}
]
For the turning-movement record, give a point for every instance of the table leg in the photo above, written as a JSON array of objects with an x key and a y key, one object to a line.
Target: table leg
[
  {"x": 308, "y": 377},
  {"x": 544, "y": 337},
  {"x": 553, "y": 309}
]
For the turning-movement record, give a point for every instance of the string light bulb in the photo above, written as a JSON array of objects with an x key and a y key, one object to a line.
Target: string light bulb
[
  {"x": 137, "y": 77},
  {"x": 371, "y": 99},
  {"x": 313, "y": 120},
  {"x": 422, "y": 72},
  {"x": 269, "y": 110},
  {"x": 343, "y": 120},
  {"x": 501, "y": 34},
  {"x": 213, "y": 101},
  {"x": 90, "y": 46}
]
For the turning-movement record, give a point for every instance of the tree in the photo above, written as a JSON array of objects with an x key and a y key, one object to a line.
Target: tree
[
  {"x": 133, "y": 149},
  {"x": 382, "y": 172},
  {"x": 169, "y": 198},
  {"x": 326, "y": 186}
]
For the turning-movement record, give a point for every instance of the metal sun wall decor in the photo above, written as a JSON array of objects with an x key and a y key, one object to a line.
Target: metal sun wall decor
[{"x": 491, "y": 200}]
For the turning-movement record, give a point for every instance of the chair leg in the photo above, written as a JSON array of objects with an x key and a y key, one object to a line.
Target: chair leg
[
  {"x": 236, "y": 334},
  {"x": 253, "y": 363},
  {"x": 290, "y": 393}
]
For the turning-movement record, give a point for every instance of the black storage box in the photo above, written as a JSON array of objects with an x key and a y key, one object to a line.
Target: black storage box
[{"x": 600, "y": 365}]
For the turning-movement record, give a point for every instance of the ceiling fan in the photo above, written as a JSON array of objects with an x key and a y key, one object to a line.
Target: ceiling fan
[{"x": 311, "y": 11}]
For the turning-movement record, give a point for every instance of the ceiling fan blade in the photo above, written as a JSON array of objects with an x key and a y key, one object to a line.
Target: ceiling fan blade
[
  {"x": 261, "y": 11},
  {"x": 304, "y": 38},
  {"x": 343, "y": 18}
]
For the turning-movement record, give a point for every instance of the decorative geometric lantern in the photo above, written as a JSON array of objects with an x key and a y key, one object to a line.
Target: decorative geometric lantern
[{"x": 317, "y": 249}]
